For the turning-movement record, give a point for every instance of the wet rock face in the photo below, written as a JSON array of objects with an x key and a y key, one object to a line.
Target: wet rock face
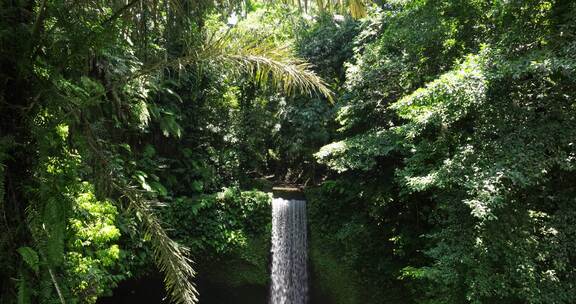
[{"x": 289, "y": 278}]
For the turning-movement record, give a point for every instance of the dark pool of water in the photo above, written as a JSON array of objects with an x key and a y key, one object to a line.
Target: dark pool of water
[{"x": 150, "y": 290}]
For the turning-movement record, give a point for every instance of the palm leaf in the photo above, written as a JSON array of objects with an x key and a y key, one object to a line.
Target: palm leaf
[
  {"x": 170, "y": 257},
  {"x": 258, "y": 56},
  {"x": 357, "y": 8},
  {"x": 276, "y": 66},
  {"x": 242, "y": 54}
]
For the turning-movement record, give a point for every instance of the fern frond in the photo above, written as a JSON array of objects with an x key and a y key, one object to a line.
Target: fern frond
[
  {"x": 49, "y": 242},
  {"x": 30, "y": 257}
]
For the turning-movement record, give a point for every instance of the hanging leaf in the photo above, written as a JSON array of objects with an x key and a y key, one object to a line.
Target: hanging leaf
[{"x": 30, "y": 257}]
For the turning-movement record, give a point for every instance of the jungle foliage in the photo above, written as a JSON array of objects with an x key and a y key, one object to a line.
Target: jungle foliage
[
  {"x": 436, "y": 139},
  {"x": 459, "y": 118},
  {"x": 109, "y": 111}
]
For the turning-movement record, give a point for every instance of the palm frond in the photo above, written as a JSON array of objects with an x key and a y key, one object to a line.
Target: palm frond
[
  {"x": 24, "y": 293},
  {"x": 1, "y": 185},
  {"x": 256, "y": 55},
  {"x": 170, "y": 257},
  {"x": 357, "y": 8},
  {"x": 242, "y": 53},
  {"x": 284, "y": 71}
]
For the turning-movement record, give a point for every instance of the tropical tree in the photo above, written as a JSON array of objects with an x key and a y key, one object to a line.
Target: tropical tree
[{"x": 78, "y": 95}]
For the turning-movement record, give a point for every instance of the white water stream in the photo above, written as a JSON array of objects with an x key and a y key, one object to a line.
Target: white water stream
[{"x": 289, "y": 252}]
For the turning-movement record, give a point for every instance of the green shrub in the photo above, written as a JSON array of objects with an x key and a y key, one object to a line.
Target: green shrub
[{"x": 225, "y": 231}]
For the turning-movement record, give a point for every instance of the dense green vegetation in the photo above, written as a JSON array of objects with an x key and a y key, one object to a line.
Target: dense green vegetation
[{"x": 435, "y": 140}]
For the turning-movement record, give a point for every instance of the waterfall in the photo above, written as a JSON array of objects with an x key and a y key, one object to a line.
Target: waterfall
[{"x": 289, "y": 252}]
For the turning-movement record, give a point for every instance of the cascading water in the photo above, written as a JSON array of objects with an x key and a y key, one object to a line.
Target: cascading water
[{"x": 289, "y": 252}]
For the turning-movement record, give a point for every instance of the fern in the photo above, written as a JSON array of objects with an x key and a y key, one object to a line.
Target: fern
[
  {"x": 30, "y": 257},
  {"x": 24, "y": 296}
]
